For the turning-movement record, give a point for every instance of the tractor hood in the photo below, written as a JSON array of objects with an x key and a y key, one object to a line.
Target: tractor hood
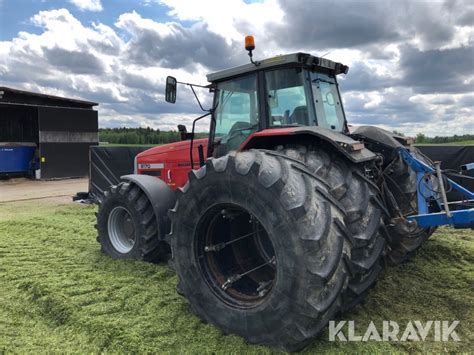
[
  {"x": 174, "y": 148},
  {"x": 170, "y": 162}
]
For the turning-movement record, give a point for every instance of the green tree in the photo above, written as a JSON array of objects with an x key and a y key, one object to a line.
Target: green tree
[{"x": 420, "y": 138}]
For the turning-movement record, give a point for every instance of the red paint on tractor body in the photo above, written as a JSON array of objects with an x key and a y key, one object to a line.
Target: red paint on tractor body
[
  {"x": 270, "y": 132},
  {"x": 171, "y": 162}
]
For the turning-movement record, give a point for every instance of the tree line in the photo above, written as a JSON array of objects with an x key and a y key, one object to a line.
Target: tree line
[
  {"x": 149, "y": 135},
  {"x": 421, "y": 138},
  {"x": 140, "y": 135}
]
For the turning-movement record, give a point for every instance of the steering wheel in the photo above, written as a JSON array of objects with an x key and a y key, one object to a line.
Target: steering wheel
[{"x": 236, "y": 137}]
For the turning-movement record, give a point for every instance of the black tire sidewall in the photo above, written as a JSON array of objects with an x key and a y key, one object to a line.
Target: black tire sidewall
[{"x": 273, "y": 312}]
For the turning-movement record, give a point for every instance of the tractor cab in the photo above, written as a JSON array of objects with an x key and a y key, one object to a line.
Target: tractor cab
[
  {"x": 293, "y": 90},
  {"x": 280, "y": 100},
  {"x": 284, "y": 91}
]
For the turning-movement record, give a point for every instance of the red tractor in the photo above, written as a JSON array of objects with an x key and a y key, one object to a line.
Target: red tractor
[{"x": 280, "y": 219}]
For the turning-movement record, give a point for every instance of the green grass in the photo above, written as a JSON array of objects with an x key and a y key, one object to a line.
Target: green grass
[
  {"x": 467, "y": 142},
  {"x": 127, "y": 145},
  {"x": 58, "y": 293}
]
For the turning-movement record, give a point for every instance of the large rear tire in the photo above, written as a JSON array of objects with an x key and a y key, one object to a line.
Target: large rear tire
[
  {"x": 127, "y": 227},
  {"x": 404, "y": 240},
  {"x": 259, "y": 249},
  {"x": 363, "y": 219}
]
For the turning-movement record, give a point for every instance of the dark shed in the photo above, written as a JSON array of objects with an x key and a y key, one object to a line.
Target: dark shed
[{"x": 62, "y": 129}]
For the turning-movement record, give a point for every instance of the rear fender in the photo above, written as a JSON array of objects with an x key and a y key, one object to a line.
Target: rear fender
[
  {"x": 381, "y": 141},
  {"x": 160, "y": 195},
  {"x": 270, "y": 138}
]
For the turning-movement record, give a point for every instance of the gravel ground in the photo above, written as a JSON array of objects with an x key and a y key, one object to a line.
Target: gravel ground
[{"x": 54, "y": 190}]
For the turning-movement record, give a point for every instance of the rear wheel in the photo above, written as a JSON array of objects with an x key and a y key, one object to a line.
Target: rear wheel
[
  {"x": 258, "y": 248},
  {"x": 126, "y": 225},
  {"x": 234, "y": 242},
  {"x": 404, "y": 239},
  {"x": 363, "y": 218}
]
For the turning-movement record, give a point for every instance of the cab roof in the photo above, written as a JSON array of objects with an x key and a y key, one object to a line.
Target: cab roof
[{"x": 298, "y": 59}]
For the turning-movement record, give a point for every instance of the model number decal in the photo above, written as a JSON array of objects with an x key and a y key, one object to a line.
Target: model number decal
[{"x": 151, "y": 166}]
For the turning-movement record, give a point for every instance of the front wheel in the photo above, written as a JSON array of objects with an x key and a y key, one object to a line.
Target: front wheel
[
  {"x": 258, "y": 248},
  {"x": 126, "y": 225}
]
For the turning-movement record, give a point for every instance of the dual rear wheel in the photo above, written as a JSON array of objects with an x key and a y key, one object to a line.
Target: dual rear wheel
[{"x": 404, "y": 241}]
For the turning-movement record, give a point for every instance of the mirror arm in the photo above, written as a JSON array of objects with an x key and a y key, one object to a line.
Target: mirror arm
[
  {"x": 197, "y": 98},
  {"x": 194, "y": 92},
  {"x": 189, "y": 84}
]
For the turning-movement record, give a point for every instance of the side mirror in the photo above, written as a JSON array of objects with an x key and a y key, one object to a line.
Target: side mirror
[{"x": 170, "y": 95}]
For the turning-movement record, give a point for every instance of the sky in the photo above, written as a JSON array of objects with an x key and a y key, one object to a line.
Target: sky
[{"x": 411, "y": 62}]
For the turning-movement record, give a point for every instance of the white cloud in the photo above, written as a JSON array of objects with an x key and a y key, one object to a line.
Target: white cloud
[
  {"x": 88, "y": 5},
  {"x": 123, "y": 67},
  {"x": 232, "y": 19},
  {"x": 135, "y": 24},
  {"x": 91, "y": 62}
]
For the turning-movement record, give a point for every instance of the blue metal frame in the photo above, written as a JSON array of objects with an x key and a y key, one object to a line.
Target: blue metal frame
[{"x": 458, "y": 218}]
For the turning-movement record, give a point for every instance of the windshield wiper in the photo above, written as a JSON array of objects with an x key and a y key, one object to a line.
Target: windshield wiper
[
  {"x": 246, "y": 128},
  {"x": 323, "y": 80}
]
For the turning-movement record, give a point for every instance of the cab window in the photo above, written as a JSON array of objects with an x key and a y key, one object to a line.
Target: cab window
[
  {"x": 286, "y": 97},
  {"x": 237, "y": 112},
  {"x": 327, "y": 102}
]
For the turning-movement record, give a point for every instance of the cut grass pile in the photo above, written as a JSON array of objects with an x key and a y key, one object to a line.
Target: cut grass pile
[{"x": 60, "y": 294}]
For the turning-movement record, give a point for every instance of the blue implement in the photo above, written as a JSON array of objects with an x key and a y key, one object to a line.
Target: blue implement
[{"x": 459, "y": 218}]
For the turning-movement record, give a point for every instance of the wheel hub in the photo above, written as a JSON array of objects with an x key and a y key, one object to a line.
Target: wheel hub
[
  {"x": 121, "y": 230},
  {"x": 235, "y": 255}
]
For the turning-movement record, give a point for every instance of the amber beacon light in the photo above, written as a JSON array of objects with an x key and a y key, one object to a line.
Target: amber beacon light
[
  {"x": 250, "y": 46},
  {"x": 249, "y": 43}
]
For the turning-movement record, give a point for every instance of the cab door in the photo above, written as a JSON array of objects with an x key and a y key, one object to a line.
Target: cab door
[{"x": 237, "y": 113}]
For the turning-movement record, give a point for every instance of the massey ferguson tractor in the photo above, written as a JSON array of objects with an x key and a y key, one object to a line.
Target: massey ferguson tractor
[{"x": 281, "y": 219}]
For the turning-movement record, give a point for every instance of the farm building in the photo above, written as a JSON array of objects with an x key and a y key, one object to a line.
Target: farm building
[{"x": 45, "y": 134}]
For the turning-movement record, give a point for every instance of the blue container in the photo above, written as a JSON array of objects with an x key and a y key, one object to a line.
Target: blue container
[{"x": 16, "y": 158}]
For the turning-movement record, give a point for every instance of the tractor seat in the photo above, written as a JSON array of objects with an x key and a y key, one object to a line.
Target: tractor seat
[{"x": 299, "y": 116}]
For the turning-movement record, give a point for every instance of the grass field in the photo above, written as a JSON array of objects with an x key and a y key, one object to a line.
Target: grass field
[
  {"x": 468, "y": 142},
  {"x": 60, "y": 294},
  {"x": 127, "y": 145}
]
